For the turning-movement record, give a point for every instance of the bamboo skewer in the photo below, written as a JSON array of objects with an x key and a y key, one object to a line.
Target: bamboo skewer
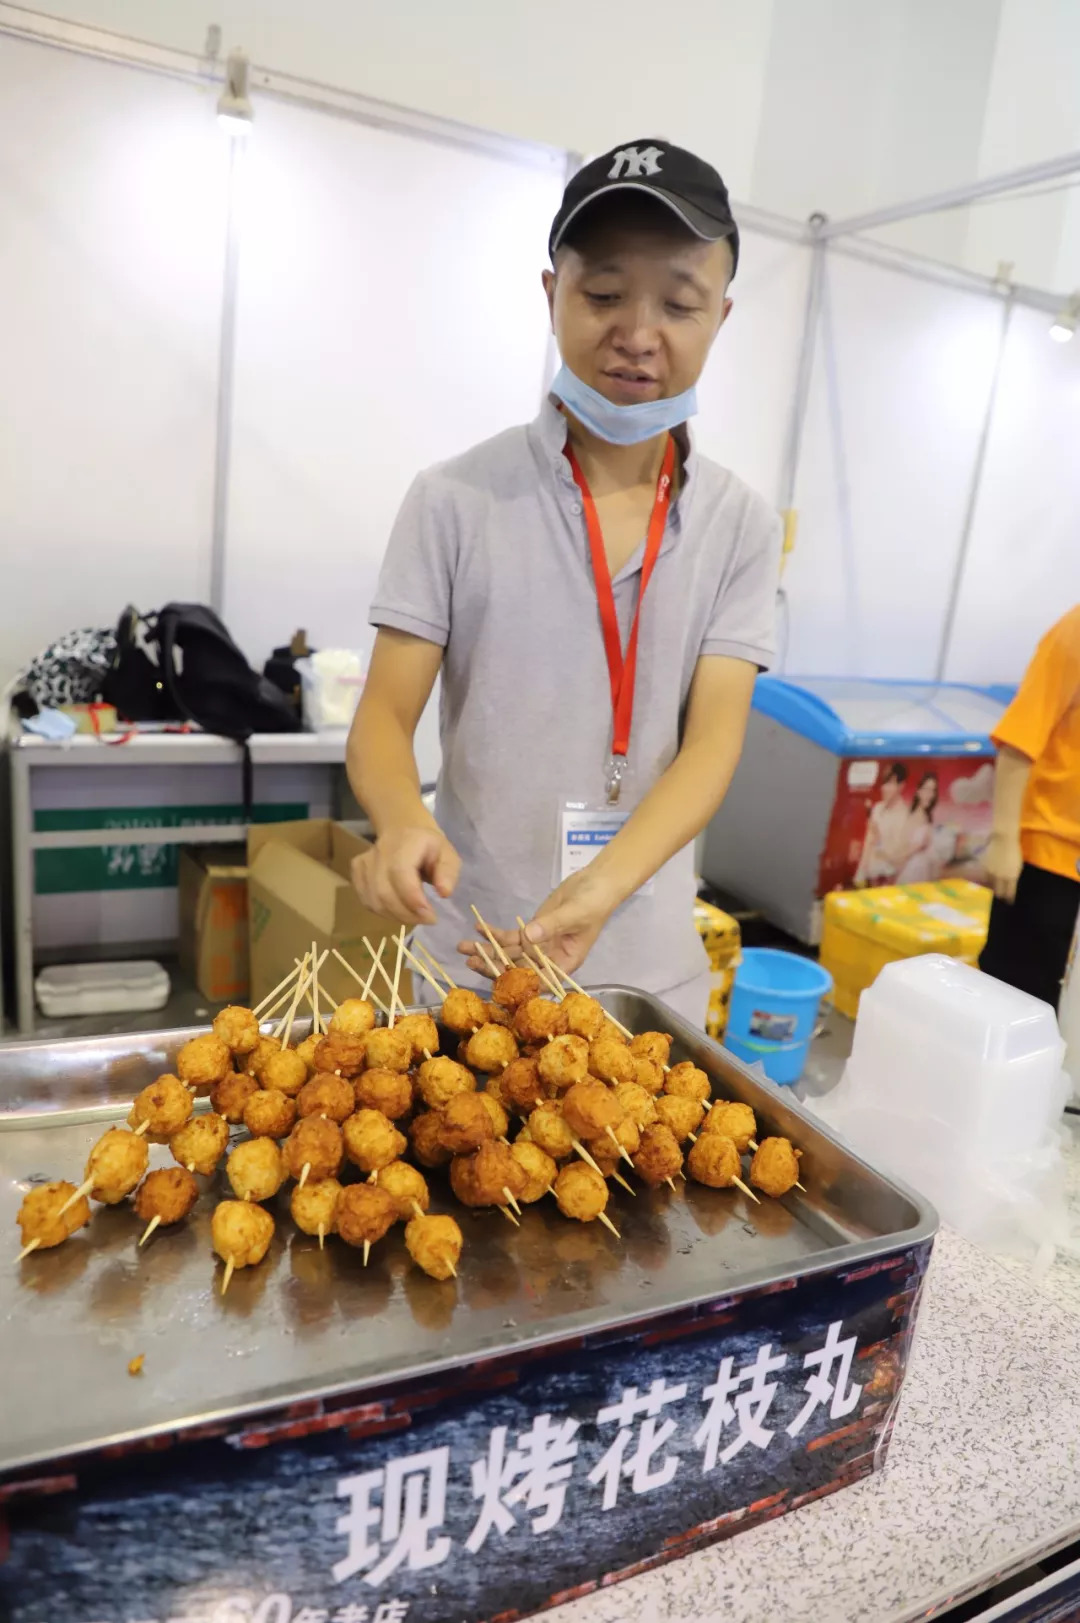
[
  {"x": 499, "y": 951},
  {"x": 367, "y": 1251},
  {"x": 83, "y": 1189},
  {"x": 510, "y": 1218},
  {"x": 304, "y": 1170},
  {"x": 608, "y": 1224},
  {"x": 428, "y": 976},
  {"x": 229, "y": 1268},
  {"x": 294, "y": 1004},
  {"x": 394, "y": 998},
  {"x": 541, "y": 965},
  {"x": 435, "y": 964},
  {"x": 26, "y": 1250},
  {"x": 264, "y": 1003},
  {"x": 322, "y": 1236},
  {"x": 619, "y": 1179},
  {"x": 746, "y": 1190},
  {"x": 150, "y": 1227},
  {"x": 316, "y": 1024},
  {"x": 510, "y": 1201},
  {"x": 610, "y": 1131},
  {"x": 489, "y": 963},
  {"x": 376, "y": 963}
]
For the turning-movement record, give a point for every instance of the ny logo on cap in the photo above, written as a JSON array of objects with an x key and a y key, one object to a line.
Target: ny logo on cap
[{"x": 635, "y": 163}]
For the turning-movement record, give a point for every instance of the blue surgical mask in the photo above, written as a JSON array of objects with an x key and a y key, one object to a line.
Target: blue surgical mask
[{"x": 621, "y": 425}]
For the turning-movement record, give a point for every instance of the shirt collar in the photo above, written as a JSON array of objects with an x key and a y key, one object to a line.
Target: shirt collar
[{"x": 550, "y": 429}]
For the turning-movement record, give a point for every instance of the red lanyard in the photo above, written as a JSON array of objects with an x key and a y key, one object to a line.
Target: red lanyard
[{"x": 622, "y": 671}]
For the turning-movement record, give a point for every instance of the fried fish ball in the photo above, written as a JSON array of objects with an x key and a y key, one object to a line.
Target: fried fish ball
[
  {"x": 371, "y": 1140},
  {"x": 241, "y": 1233},
  {"x": 254, "y": 1062},
  {"x": 434, "y": 1244},
  {"x": 387, "y": 1049},
  {"x": 493, "y": 1087},
  {"x": 464, "y": 1124},
  {"x": 491, "y": 1048},
  {"x": 269, "y": 1113},
  {"x": 522, "y": 1087},
  {"x": 486, "y": 1176},
  {"x": 405, "y": 1186},
  {"x": 648, "y": 1075},
  {"x": 314, "y": 1206},
  {"x": 611, "y": 1061},
  {"x": 714, "y": 1161},
  {"x": 652, "y": 1045},
  {"x": 638, "y": 1102},
  {"x": 168, "y": 1194},
  {"x": 326, "y": 1095},
  {"x": 203, "y": 1061},
  {"x": 549, "y": 1129},
  {"x": 539, "y": 1169},
  {"x": 440, "y": 1079},
  {"x": 38, "y": 1216},
  {"x": 165, "y": 1105},
  {"x": 238, "y": 1028},
  {"x": 306, "y": 1050},
  {"x": 735, "y": 1120},
  {"x": 316, "y": 1144},
  {"x": 200, "y": 1145},
  {"x": 346, "y": 1055},
  {"x": 590, "y": 1108},
  {"x": 538, "y": 1019},
  {"x": 255, "y": 1169},
  {"x": 581, "y": 1192},
  {"x": 354, "y": 1017},
  {"x": 388, "y": 1091},
  {"x": 284, "y": 1071},
  {"x": 584, "y": 1016},
  {"x": 659, "y": 1156},
  {"x": 682, "y": 1115},
  {"x": 424, "y": 1137},
  {"x": 775, "y": 1167},
  {"x": 500, "y": 1121},
  {"x": 116, "y": 1163},
  {"x": 463, "y": 1010},
  {"x": 422, "y": 1033},
  {"x": 686, "y": 1081},
  {"x": 563, "y": 1061},
  {"x": 229, "y": 1096},
  {"x": 516, "y": 986},
  {"x": 364, "y": 1213},
  {"x": 627, "y": 1136},
  {"x": 496, "y": 1015}
]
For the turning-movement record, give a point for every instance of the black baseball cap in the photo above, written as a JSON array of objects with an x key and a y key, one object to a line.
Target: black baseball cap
[{"x": 687, "y": 185}]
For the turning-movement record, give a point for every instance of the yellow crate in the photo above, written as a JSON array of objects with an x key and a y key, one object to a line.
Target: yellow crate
[
  {"x": 719, "y": 1000},
  {"x": 720, "y": 933},
  {"x": 866, "y": 929}
]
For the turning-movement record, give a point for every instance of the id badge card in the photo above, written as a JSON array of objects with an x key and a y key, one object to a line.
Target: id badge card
[{"x": 583, "y": 832}]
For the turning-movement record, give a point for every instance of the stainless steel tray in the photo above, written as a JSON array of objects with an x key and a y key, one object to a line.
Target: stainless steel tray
[{"x": 307, "y": 1323}]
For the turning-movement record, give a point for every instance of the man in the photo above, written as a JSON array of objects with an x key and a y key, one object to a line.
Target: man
[
  {"x": 885, "y": 848},
  {"x": 1035, "y": 844},
  {"x": 599, "y": 599}
]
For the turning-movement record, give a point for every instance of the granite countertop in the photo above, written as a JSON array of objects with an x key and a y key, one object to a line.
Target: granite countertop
[{"x": 982, "y": 1477}]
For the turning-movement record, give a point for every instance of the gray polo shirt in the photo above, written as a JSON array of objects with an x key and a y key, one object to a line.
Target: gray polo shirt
[{"x": 489, "y": 558}]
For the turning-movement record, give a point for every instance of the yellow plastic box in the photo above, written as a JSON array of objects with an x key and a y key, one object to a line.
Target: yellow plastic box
[
  {"x": 866, "y": 929},
  {"x": 723, "y": 943}
]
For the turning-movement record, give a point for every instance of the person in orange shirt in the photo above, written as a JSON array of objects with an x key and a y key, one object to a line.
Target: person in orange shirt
[{"x": 1035, "y": 845}]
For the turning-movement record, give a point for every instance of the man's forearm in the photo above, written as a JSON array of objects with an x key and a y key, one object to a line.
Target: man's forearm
[
  {"x": 382, "y": 769},
  {"x": 1010, "y": 786}
]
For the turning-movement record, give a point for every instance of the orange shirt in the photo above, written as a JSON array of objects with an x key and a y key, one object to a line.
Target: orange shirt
[{"x": 1043, "y": 723}]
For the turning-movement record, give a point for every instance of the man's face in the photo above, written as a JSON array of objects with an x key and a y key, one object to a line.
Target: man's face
[
  {"x": 636, "y": 306},
  {"x": 890, "y": 789}
]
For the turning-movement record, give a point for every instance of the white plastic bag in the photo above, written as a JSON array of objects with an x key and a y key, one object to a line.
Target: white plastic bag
[{"x": 331, "y": 684}]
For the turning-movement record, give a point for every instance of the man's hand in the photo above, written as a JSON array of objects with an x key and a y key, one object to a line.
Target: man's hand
[
  {"x": 567, "y": 924},
  {"x": 1004, "y": 861},
  {"x": 390, "y": 878}
]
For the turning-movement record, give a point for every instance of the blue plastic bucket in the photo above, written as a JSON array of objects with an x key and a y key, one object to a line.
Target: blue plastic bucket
[{"x": 774, "y": 1008}]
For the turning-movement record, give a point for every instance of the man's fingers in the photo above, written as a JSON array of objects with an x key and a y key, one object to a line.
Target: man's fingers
[{"x": 447, "y": 867}]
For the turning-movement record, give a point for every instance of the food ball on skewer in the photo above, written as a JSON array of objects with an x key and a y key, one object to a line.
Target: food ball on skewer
[
  {"x": 346, "y": 1055},
  {"x": 116, "y": 1164},
  {"x": 584, "y": 1016},
  {"x": 611, "y": 1061},
  {"x": 464, "y": 1124},
  {"x": 638, "y": 1103},
  {"x": 354, "y": 1017},
  {"x": 522, "y": 1086},
  {"x": 424, "y": 1136},
  {"x": 203, "y": 1061},
  {"x": 284, "y": 1071},
  {"x": 229, "y": 1096},
  {"x": 440, "y": 1079},
  {"x": 238, "y": 1028},
  {"x": 387, "y": 1049},
  {"x": 422, "y": 1033},
  {"x": 590, "y": 1109},
  {"x": 550, "y": 1129},
  {"x": 39, "y": 1220},
  {"x": 581, "y": 1192},
  {"x": 388, "y": 1091},
  {"x": 317, "y": 1144},
  {"x": 493, "y": 1087},
  {"x": 491, "y": 1048},
  {"x": 240, "y": 1234},
  {"x": 200, "y": 1145},
  {"x": 775, "y": 1167},
  {"x": 325, "y": 1095},
  {"x": 463, "y": 1011},
  {"x": 405, "y": 1186},
  {"x": 364, "y": 1213},
  {"x": 434, "y": 1244},
  {"x": 538, "y": 1166},
  {"x": 538, "y": 1019},
  {"x": 165, "y": 1105},
  {"x": 648, "y": 1075},
  {"x": 714, "y": 1160},
  {"x": 269, "y": 1113},
  {"x": 483, "y": 1179},
  {"x": 496, "y": 1015},
  {"x": 371, "y": 1140},
  {"x": 254, "y": 1062},
  {"x": 255, "y": 1169},
  {"x": 314, "y": 1206},
  {"x": 616, "y": 1033},
  {"x": 562, "y": 1062},
  {"x": 659, "y": 1156},
  {"x": 500, "y": 1121},
  {"x": 682, "y": 1115},
  {"x": 165, "y": 1197},
  {"x": 735, "y": 1120},
  {"x": 516, "y": 986},
  {"x": 652, "y": 1045},
  {"x": 686, "y": 1081},
  {"x": 608, "y": 1151}
]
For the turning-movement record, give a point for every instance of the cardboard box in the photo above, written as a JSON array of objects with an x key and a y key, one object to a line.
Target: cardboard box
[
  {"x": 299, "y": 891},
  {"x": 866, "y": 929},
  {"x": 212, "y": 882}
]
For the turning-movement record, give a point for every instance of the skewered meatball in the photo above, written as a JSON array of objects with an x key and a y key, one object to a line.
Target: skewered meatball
[
  {"x": 648, "y": 1075},
  {"x": 493, "y": 1087},
  {"x": 483, "y": 1179},
  {"x": 584, "y": 1015},
  {"x": 313, "y": 1207},
  {"x": 203, "y": 1061},
  {"x": 686, "y": 1081},
  {"x": 326, "y": 1095},
  {"x": 564, "y": 1061},
  {"x": 610, "y": 1031},
  {"x": 241, "y": 1233},
  {"x": 168, "y": 1194},
  {"x": 422, "y": 1033},
  {"x": 516, "y": 986},
  {"x": 405, "y": 1186},
  {"x": 387, "y": 1049},
  {"x": 496, "y": 1015},
  {"x": 306, "y": 1050},
  {"x": 659, "y": 1156},
  {"x": 269, "y": 1114},
  {"x": 116, "y": 1163},
  {"x": 434, "y": 1244},
  {"x": 165, "y": 1105},
  {"x": 590, "y": 1108},
  {"x": 200, "y": 1145},
  {"x": 463, "y": 1011},
  {"x": 315, "y": 1144},
  {"x": 388, "y": 1091},
  {"x": 231, "y": 1094},
  {"x": 371, "y": 1141},
  {"x": 500, "y": 1121},
  {"x": 491, "y": 1048},
  {"x": 612, "y": 1061},
  {"x": 627, "y": 1136},
  {"x": 549, "y": 1129},
  {"x": 355, "y": 1017},
  {"x": 464, "y": 1124},
  {"x": 340, "y": 1053},
  {"x": 255, "y": 1169},
  {"x": 682, "y": 1115},
  {"x": 440, "y": 1079},
  {"x": 581, "y": 1192},
  {"x": 364, "y": 1212},
  {"x": 638, "y": 1103},
  {"x": 652, "y": 1045},
  {"x": 539, "y": 1169},
  {"x": 735, "y": 1120},
  {"x": 539, "y": 1019},
  {"x": 714, "y": 1160},
  {"x": 522, "y": 1087},
  {"x": 284, "y": 1071},
  {"x": 38, "y": 1218},
  {"x": 775, "y": 1167},
  {"x": 424, "y": 1131},
  {"x": 238, "y": 1028},
  {"x": 254, "y": 1062}
]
